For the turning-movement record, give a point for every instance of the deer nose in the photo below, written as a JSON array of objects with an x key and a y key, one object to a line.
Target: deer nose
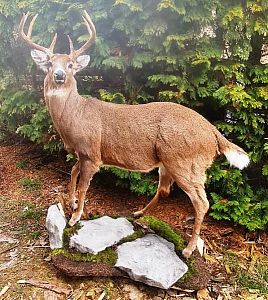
[{"x": 59, "y": 76}]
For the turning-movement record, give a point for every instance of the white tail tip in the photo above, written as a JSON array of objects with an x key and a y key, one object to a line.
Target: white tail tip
[{"x": 237, "y": 158}]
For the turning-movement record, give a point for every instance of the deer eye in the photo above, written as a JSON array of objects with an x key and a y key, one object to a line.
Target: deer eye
[{"x": 70, "y": 65}]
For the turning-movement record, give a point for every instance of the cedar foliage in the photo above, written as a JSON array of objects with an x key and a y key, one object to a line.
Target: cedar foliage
[{"x": 203, "y": 54}]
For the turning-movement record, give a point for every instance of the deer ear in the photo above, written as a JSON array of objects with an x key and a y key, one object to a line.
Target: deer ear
[
  {"x": 81, "y": 62},
  {"x": 41, "y": 59}
]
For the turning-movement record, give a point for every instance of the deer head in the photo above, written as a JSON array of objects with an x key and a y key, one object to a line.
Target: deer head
[{"x": 59, "y": 67}]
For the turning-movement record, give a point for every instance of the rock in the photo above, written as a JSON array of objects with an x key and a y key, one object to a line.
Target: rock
[
  {"x": 96, "y": 235},
  {"x": 55, "y": 224},
  {"x": 151, "y": 260}
]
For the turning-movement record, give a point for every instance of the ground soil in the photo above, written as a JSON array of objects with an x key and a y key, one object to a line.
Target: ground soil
[{"x": 27, "y": 256}]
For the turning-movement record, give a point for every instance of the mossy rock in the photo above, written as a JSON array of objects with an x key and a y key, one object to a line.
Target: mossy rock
[{"x": 102, "y": 264}]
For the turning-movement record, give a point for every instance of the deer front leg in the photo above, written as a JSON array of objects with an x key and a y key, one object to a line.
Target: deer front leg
[
  {"x": 87, "y": 171},
  {"x": 73, "y": 201}
]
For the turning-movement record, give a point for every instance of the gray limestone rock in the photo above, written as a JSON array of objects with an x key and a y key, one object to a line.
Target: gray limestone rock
[
  {"x": 151, "y": 260},
  {"x": 55, "y": 224},
  {"x": 96, "y": 235}
]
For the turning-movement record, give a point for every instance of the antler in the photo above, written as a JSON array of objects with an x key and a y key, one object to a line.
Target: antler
[
  {"x": 92, "y": 31},
  {"x": 27, "y": 38}
]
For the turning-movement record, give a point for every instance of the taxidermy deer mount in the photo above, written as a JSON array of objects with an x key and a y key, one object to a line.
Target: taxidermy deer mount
[{"x": 168, "y": 136}]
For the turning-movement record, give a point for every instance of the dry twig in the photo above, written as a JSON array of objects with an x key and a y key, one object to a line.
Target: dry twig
[{"x": 46, "y": 285}]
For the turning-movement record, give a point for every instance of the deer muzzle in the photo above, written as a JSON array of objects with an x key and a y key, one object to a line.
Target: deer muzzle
[{"x": 59, "y": 76}]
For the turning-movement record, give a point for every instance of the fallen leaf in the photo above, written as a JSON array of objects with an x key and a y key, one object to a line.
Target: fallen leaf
[
  {"x": 5, "y": 289},
  {"x": 210, "y": 258},
  {"x": 203, "y": 295},
  {"x": 228, "y": 270},
  {"x": 102, "y": 295}
]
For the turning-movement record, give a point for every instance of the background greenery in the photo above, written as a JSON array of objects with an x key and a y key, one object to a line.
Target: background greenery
[{"x": 203, "y": 54}]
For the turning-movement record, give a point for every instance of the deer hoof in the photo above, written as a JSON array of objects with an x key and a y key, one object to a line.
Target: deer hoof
[
  {"x": 187, "y": 253},
  {"x": 138, "y": 214}
]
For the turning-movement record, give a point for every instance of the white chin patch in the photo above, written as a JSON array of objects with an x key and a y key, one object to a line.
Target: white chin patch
[
  {"x": 61, "y": 81},
  {"x": 237, "y": 159},
  {"x": 56, "y": 93}
]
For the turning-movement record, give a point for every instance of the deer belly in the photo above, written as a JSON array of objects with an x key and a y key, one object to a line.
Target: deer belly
[{"x": 131, "y": 159}]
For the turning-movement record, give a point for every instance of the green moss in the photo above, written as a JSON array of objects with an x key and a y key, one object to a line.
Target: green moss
[
  {"x": 130, "y": 219},
  {"x": 107, "y": 256},
  {"x": 190, "y": 273},
  {"x": 68, "y": 232},
  {"x": 165, "y": 231},
  {"x": 132, "y": 237}
]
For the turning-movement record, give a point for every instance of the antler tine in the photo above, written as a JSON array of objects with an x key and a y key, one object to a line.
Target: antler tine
[
  {"x": 22, "y": 22},
  {"x": 71, "y": 45},
  {"x": 53, "y": 43},
  {"x": 92, "y": 31},
  {"x": 27, "y": 38},
  {"x": 31, "y": 26}
]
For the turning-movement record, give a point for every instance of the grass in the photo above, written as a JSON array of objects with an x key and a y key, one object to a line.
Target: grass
[
  {"x": 21, "y": 164},
  {"x": 30, "y": 184},
  {"x": 30, "y": 211},
  {"x": 35, "y": 234},
  {"x": 251, "y": 274}
]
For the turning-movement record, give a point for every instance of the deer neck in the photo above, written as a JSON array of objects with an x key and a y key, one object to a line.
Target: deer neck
[
  {"x": 57, "y": 96},
  {"x": 61, "y": 100}
]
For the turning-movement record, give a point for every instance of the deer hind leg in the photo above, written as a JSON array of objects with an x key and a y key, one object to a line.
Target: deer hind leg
[
  {"x": 73, "y": 201},
  {"x": 165, "y": 182},
  {"x": 87, "y": 171},
  {"x": 196, "y": 192}
]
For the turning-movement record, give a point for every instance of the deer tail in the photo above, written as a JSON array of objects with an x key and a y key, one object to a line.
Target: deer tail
[{"x": 235, "y": 155}]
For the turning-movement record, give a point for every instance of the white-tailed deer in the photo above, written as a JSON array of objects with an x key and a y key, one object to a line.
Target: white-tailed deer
[{"x": 168, "y": 136}]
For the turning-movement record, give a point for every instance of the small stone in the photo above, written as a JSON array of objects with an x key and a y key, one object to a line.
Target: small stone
[
  {"x": 55, "y": 224},
  {"x": 97, "y": 235},
  {"x": 151, "y": 260}
]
